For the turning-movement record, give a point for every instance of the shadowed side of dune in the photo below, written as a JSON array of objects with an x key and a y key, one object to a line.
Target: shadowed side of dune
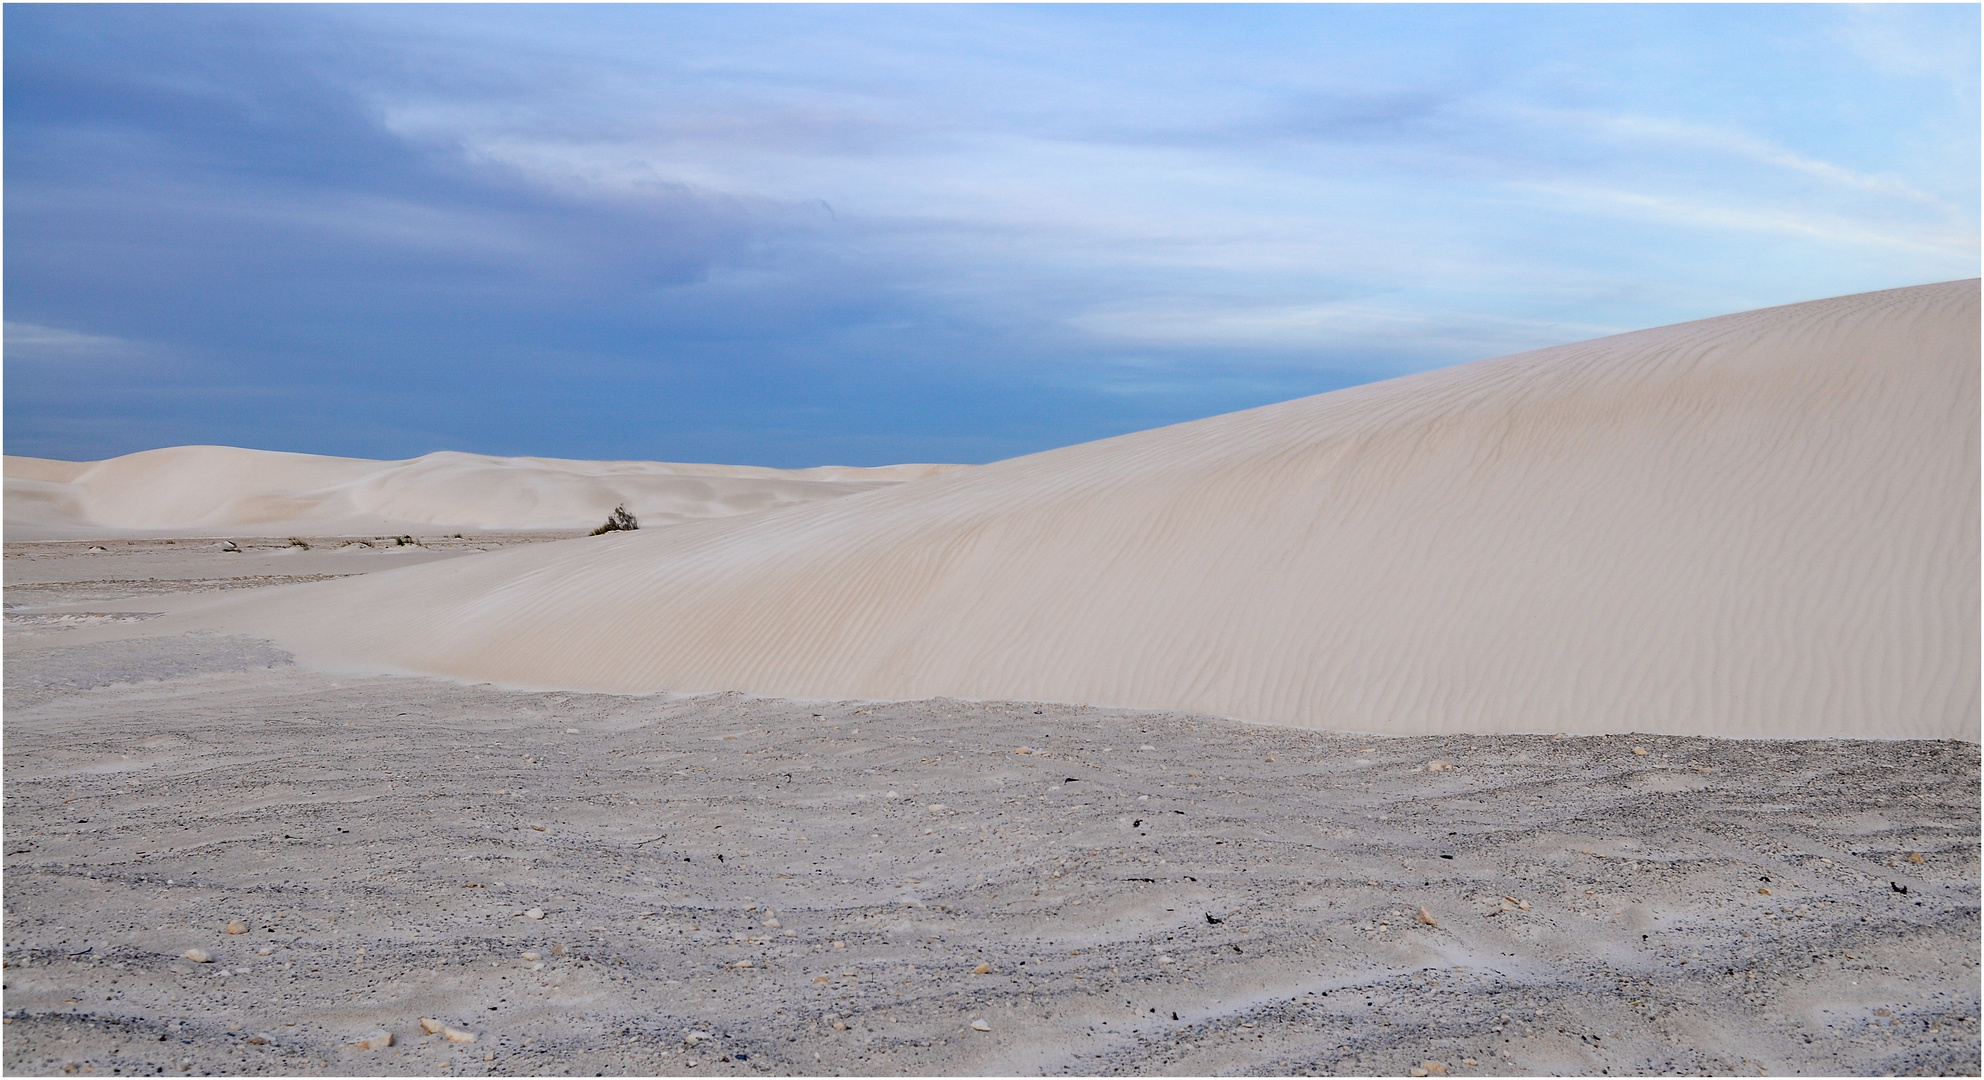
[{"x": 1757, "y": 525}]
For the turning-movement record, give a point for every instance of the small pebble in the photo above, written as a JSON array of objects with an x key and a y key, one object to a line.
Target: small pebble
[
  {"x": 980, "y": 1025},
  {"x": 199, "y": 956},
  {"x": 265, "y": 951},
  {"x": 378, "y": 1041},
  {"x": 431, "y": 1026},
  {"x": 1437, "y": 1068},
  {"x": 534, "y": 913},
  {"x": 1438, "y": 766},
  {"x": 1640, "y": 750},
  {"x": 531, "y": 956},
  {"x": 1427, "y": 917},
  {"x": 982, "y": 969},
  {"x": 538, "y": 828},
  {"x": 454, "y": 1036},
  {"x": 237, "y": 927}
]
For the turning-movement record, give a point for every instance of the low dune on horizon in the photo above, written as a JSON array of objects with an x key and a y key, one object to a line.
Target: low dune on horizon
[
  {"x": 1757, "y": 525},
  {"x": 230, "y": 491}
]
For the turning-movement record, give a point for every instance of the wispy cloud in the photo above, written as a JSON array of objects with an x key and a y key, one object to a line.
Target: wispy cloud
[
  {"x": 1671, "y": 134},
  {"x": 33, "y": 343},
  {"x": 1709, "y": 213},
  {"x": 649, "y": 231},
  {"x": 1339, "y": 327}
]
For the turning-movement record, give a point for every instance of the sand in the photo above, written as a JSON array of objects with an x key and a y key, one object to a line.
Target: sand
[
  {"x": 188, "y": 491},
  {"x": 383, "y": 841},
  {"x": 950, "y": 846},
  {"x": 1760, "y": 525}
]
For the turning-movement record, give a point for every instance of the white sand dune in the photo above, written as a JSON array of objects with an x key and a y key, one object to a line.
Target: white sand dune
[
  {"x": 1762, "y": 525},
  {"x": 222, "y": 490}
]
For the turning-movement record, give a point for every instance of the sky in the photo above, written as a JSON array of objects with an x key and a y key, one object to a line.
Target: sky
[{"x": 803, "y": 235}]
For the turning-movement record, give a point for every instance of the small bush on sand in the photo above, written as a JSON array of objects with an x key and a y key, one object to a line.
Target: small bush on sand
[
  {"x": 618, "y": 521},
  {"x": 299, "y": 542}
]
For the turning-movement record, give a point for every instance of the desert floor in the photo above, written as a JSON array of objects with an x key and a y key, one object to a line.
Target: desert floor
[{"x": 595, "y": 885}]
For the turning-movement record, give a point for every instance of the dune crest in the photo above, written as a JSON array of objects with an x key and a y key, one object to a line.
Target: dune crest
[
  {"x": 214, "y": 490},
  {"x": 1762, "y": 524}
]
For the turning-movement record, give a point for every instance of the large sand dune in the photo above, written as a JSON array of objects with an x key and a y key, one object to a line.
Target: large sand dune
[
  {"x": 222, "y": 490},
  {"x": 1763, "y": 524}
]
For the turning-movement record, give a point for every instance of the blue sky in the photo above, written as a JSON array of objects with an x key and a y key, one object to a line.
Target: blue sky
[{"x": 849, "y": 234}]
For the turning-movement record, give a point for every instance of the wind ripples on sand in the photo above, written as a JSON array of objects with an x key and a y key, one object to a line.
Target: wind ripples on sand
[{"x": 1763, "y": 524}]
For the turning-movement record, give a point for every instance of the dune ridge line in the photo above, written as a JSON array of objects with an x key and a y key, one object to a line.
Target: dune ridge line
[
  {"x": 1759, "y": 525},
  {"x": 225, "y": 490}
]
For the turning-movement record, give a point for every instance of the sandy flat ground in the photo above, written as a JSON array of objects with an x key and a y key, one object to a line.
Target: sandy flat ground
[{"x": 739, "y": 885}]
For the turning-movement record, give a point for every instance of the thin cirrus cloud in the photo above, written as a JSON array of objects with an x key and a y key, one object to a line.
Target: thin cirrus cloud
[{"x": 797, "y": 235}]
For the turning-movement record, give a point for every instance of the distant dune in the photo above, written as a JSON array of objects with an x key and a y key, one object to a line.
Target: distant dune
[
  {"x": 224, "y": 491},
  {"x": 1762, "y": 524}
]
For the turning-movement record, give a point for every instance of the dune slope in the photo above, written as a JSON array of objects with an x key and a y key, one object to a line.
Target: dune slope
[
  {"x": 1763, "y": 524},
  {"x": 223, "y": 490}
]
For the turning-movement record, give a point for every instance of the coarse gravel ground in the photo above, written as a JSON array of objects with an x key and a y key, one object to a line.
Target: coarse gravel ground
[{"x": 739, "y": 885}]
